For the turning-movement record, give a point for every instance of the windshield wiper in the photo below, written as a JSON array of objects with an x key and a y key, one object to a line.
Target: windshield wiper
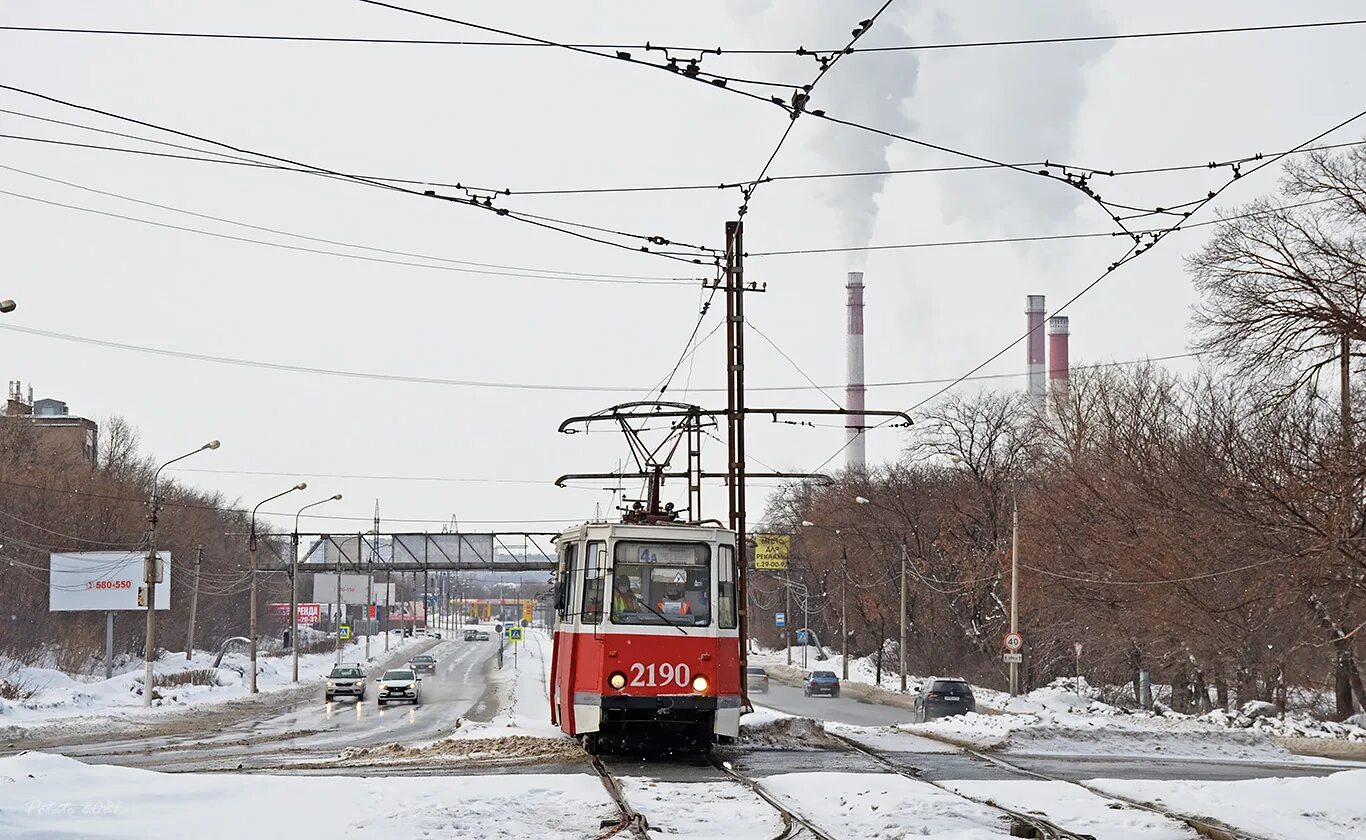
[{"x": 679, "y": 627}]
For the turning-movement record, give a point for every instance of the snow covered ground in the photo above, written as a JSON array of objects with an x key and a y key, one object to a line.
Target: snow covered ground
[
  {"x": 49, "y": 797},
  {"x": 61, "y": 696},
  {"x": 1328, "y": 808},
  {"x": 524, "y": 685},
  {"x": 701, "y": 810}
]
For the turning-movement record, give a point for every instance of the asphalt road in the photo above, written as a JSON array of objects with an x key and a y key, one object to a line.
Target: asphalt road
[
  {"x": 843, "y": 709},
  {"x": 302, "y": 727}
]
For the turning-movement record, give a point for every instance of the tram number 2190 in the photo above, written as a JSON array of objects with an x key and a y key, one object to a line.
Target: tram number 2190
[{"x": 665, "y": 673}]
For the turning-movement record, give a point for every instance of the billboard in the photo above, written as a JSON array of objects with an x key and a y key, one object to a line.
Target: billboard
[
  {"x": 408, "y": 612},
  {"x": 102, "y": 581},
  {"x": 309, "y": 614},
  {"x": 353, "y": 588},
  {"x": 770, "y": 550}
]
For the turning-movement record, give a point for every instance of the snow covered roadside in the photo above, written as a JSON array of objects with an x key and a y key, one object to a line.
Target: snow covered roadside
[
  {"x": 48, "y": 797},
  {"x": 1325, "y": 808},
  {"x": 523, "y": 693},
  {"x": 60, "y": 697}
]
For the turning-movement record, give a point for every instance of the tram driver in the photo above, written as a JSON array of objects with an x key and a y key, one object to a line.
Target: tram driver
[
  {"x": 673, "y": 602},
  {"x": 623, "y": 598}
]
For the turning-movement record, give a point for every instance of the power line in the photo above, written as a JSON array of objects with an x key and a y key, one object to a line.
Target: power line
[
  {"x": 244, "y": 511},
  {"x": 325, "y": 39},
  {"x": 231, "y": 160},
  {"x": 487, "y": 269},
  {"x": 361, "y": 477},
  {"x": 424, "y": 380},
  {"x": 482, "y": 203}
]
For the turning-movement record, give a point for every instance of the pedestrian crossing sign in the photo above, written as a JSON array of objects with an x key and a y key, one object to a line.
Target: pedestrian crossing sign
[
  {"x": 514, "y": 634},
  {"x": 344, "y": 632}
]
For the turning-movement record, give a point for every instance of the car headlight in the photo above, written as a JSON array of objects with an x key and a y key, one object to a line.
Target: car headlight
[
  {"x": 331, "y": 684},
  {"x": 699, "y": 683},
  {"x": 617, "y": 681}
]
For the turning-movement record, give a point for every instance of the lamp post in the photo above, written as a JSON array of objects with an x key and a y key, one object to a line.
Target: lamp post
[
  {"x": 844, "y": 591},
  {"x": 901, "y": 640},
  {"x": 294, "y": 588},
  {"x": 251, "y": 547},
  {"x": 149, "y": 569}
]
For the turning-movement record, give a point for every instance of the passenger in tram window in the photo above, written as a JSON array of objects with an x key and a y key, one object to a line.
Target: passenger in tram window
[
  {"x": 696, "y": 594},
  {"x": 673, "y": 602},
  {"x": 623, "y": 599}
]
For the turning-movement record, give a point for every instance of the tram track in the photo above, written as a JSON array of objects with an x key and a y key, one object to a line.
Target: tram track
[
  {"x": 794, "y": 825},
  {"x": 629, "y": 820},
  {"x": 1040, "y": 826}
]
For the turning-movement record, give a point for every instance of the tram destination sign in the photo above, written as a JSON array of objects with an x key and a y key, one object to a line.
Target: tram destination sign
[{"x": 771, "y": 550}]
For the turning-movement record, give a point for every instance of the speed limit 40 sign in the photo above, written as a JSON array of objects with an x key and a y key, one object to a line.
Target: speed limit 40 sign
[{"x": 1014, "y": 642}]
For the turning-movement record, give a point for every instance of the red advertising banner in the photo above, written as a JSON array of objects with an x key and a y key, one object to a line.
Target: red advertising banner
[{"x": 309, "y": 614}]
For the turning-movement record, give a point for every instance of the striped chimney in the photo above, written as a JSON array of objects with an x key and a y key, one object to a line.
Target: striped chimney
[
  {"x": 1059, "y": 369},
  {"x": 1034, "y": 315},
  {"x": 855, "y": 452}
]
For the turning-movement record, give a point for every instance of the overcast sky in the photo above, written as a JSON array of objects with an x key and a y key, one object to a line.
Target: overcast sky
[{"x": 529, "y": 119}]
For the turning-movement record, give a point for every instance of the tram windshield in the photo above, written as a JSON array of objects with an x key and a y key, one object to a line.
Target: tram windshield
[{"x": 661, "y": 583}]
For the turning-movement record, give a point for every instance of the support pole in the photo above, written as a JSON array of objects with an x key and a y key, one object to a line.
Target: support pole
[
  {"x": 388, "y": 601},
  {"x": 901, "y": 640},
  {"x": 787, "y": 616},
  {"x": 109, "y": 645},
  {"x": 369, "y": 605},
  {"x": 1014, "y": 588},
  {"x": 194, "y": 603},
  {"x": 294, "y": 607},
  {"x": 252, "y": 633},
  {"x": 844, "y": 612},
  {"x": 339, "y": 609}
]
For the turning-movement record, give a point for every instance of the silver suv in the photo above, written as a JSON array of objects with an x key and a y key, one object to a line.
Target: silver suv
[{"x": 347, "y": 678}]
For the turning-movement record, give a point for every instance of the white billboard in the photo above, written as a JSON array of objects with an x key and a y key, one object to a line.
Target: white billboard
[
  {"x": 103, "y": 581},
  {"x": 353, "y": 589}
]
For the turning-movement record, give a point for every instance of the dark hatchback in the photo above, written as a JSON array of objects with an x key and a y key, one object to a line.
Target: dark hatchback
[
  {"x": 942, "y": 698},
  {"x": 821, "y": 682}
]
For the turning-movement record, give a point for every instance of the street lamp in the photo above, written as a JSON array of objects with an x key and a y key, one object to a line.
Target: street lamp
[
  {"x": 294, "y": 587},
  {"x": 251, "y": 546},
  {"x": 901, "y": 642},
  {"x": 150, "y": 574},
  {"x": 844, "y": 591}
]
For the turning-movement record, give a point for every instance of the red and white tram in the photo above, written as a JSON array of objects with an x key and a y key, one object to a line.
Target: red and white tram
[{"x": 647, "y": 646}]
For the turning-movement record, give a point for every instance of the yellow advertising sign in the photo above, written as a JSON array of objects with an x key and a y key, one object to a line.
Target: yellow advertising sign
[{"x": 770, "y": 550}]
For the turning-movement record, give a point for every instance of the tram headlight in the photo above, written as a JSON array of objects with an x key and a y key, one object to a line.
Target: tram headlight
[
  {"x": 699, "y": 683},
  {"x": 617, "y": 681}
]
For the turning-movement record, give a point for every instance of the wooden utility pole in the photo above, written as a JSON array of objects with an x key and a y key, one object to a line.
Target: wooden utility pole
[{"x": 194, "y": 602}]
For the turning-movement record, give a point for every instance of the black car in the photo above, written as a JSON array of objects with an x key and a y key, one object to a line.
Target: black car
[
  {"x": 942, "y": 698},
  {"x": 423, "y": 664},
  {"x": 471, "y": 635}
]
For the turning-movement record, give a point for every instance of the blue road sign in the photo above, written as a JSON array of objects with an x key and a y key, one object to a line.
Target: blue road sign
[
  {"x": 801, "y": 637},
  {"x": 780, "y": 619}
]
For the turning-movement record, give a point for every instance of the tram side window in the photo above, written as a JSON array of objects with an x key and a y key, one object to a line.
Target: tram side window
[
  {"x": 569, "y": 572},
  {"x": 594, "y": 561},
  {"x": 725, "y": 589}
]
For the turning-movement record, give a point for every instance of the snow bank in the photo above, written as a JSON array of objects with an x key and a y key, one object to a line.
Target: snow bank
[
  {"x": 520, "y": 694},
  {"x": 50, "y": 796},
  {"x": 1325, "y": 808}
]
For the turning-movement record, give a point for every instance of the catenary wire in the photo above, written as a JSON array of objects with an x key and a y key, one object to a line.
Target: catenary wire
[
  {"x": 325, "y": 39},
  {"x": 491, "y": 269},
  {"x": 544, "y": 222},
  {"x": 422, "y": 380}
]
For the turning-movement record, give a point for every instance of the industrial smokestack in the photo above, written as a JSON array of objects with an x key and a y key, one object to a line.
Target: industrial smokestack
[
  {"x": 1059, "y": 369},
  {"x": 855, "y": 453},
  {"x": 1034, "y": 314}
]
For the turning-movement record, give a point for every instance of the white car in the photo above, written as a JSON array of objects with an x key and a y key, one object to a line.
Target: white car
[{"x": 399, "y": 685}]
